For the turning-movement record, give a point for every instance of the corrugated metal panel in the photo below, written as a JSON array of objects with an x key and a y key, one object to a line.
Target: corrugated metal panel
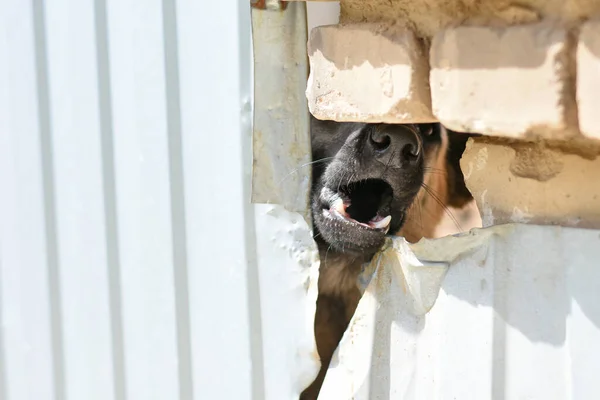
[
  {"x": 517, "y": 317},
  {"x": 129, "y": 262}
]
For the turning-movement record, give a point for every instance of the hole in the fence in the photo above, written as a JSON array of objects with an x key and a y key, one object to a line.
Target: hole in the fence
[{"x": 359, "y": 177}]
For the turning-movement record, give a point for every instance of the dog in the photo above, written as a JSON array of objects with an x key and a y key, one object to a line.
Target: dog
[{"x": 370, "y": 180}]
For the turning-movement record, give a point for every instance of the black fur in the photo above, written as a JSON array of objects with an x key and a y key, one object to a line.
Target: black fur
[{"x": 369, "y": 175}]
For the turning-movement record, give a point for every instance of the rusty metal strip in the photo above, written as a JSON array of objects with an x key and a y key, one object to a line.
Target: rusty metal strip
[{"x": 281, "y": 139}]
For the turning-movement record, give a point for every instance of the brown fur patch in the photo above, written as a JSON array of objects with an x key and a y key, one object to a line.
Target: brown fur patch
[{"x": 428, "y": 208}]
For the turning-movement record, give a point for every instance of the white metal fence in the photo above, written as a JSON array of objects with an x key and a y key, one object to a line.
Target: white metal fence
[
  {"x": 516, "y": 316},
  {"x": 130, "y": 266}
]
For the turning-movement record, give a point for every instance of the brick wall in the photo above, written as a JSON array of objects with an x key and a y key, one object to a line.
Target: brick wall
[{"x": 531, "y": 88}]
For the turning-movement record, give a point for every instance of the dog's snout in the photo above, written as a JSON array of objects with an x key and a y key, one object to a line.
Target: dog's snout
[{"x": 399, "y": 143}]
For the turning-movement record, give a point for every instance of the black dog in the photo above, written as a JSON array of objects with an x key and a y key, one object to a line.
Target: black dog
[{"x": 370, "y": 180}]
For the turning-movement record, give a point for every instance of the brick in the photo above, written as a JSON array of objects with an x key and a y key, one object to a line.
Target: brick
[
  {"x": 531, "y": 183},
  {"x": 513, "y": 81},
  {"x": 588, "y": 79},
  {"x": 368, "y": 73}
]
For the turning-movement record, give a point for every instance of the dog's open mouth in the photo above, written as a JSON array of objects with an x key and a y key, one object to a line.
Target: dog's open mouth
[{"x": 365, "y": 204}]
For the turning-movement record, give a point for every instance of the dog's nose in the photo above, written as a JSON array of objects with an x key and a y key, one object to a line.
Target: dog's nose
[{"x": 398, "y": 145}]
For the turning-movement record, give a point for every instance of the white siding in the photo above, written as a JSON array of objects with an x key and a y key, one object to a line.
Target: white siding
[
  {"x": 516, "y": 317},
  {"x": 129, "y": 262}
]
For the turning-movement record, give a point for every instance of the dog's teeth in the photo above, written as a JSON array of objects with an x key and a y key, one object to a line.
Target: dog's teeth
[
  {"x": 384, "y": 223},
  {"x": 338, "y": 205}
]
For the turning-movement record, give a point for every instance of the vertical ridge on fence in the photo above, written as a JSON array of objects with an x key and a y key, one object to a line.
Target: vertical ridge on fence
[
  {"x": 140, "y": 140},
  {"x": 51, "y": 233},
  {"x": 3, "y": 389},
  {"x": 110, "y": 206},
  {"x": 209, "y": 38},
  {"x": 180, "y": 262},
  {"x": 3, "y": 140},
  {"x": 255, "y": 321},
  {"x": 79, "y": 198}
]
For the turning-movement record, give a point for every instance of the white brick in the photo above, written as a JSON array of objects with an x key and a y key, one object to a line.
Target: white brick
[
  {"x": 510, "y": 81},
  {"x": 368, "y": 73},
  {"x": 588, "y": 79},
  {"x": 530, "y": 183}
]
